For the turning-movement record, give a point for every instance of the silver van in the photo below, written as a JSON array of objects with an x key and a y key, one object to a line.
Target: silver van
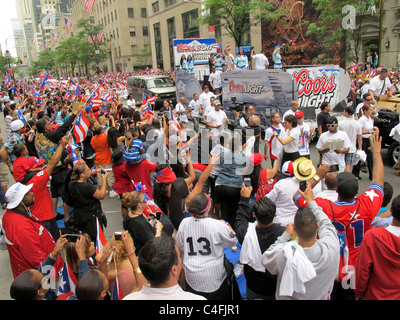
[{"x": 152, "y": 85}]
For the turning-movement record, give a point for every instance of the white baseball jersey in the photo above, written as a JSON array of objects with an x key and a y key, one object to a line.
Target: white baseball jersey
[{"x": 203, "y": 241}]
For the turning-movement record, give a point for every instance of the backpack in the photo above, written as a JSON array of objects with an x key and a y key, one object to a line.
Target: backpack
[{"x": 264, "y": 186}]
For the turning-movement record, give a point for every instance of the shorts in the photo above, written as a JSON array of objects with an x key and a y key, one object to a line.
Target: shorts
[
  {"x": 4, "y": 174},
  {"x": 57, "y": 190},
  {"x": 350, "y": 158},
  {"x": 110, "y": 175}
]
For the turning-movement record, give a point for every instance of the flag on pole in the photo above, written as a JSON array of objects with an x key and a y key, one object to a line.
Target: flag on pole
[
  {"x": 21, "y": 116},
  {"x": 67, "y": 25},
  {"x": 55, "y": 37},
  {"x": 117, "y": 292},
  {"x": 81, "y": 128},
  {"x": 71, "y": 149},
  {"x": 175, "y": 125},
  {"x": 89, "y": 5},
  {"x": 67, "y": 283},
  {"x": 100, "y": 238},
  {"x": 217, "y": 46},
  {"x": 46, "y": 78}
]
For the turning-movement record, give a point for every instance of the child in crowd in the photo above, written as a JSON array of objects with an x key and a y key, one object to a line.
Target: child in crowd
[{"x": 24, "y": 168}]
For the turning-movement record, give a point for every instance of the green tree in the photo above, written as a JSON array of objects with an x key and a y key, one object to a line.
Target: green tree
[
  {"x": 95, "y": 52},
  {"x": 236, "y": 17},
  {"x": 68, "y": 53},
  {"x": 340, "y": 26}
]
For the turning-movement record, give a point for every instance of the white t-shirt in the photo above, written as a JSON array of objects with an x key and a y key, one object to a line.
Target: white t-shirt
[
  {"x": 194, "y": 106},
  {"x": 290, "y": 111},
  {"x": 294, "y": 145},
  {"x": 304, "y": 141},
  {"x": 216, "y": 118},
  {"x": 181, "y": 116},
  {"x": 171, "y": 293},
  {"x": 275, "y": 147},
  {"x": 216, "y": 79},
  {"x": 366, "y": 125},
  {"x": 376, "y": 85},
  {"x": 261, "y": 61},
  {"x": 353, "y": 128},
  {"x": 204, "y": 99},
  {"x": 131, "y": 103},
  {"x": 331, "y": 157}
]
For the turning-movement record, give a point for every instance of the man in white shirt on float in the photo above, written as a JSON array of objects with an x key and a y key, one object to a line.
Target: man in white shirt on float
[
  {"x": 336, "y": 157},
  {"x": 215, "y": 80},
  {"x": 216, "y": 120},
  {"x": 294, "y": 106},
  {"x": 380, "y": 84},
  {"x": 204, "y": 98},
  {"x": 261, "y": 60}
]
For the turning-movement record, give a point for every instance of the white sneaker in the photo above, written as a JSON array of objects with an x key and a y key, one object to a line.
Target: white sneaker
[{"x": 112, "y": 194}]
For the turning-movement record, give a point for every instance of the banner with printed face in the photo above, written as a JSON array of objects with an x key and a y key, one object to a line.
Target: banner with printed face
[{"x": 319, "y": 84}]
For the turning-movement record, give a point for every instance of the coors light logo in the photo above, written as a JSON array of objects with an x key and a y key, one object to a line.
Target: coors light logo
[{"x": 314, "y": 90}]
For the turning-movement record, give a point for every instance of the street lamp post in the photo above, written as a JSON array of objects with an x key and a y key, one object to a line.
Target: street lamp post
[{"x": 8, "y": 57}]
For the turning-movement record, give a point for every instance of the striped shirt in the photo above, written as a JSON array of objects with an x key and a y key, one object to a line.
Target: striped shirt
[{"x": 203, "y": 241}]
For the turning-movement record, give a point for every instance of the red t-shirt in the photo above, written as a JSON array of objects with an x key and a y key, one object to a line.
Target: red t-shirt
[
  {"x": 43, "y": 206},
  {"x": 141, "y": 173},
  {"x": 20, "y": 168},
  {"x": 122, "y": 183}
]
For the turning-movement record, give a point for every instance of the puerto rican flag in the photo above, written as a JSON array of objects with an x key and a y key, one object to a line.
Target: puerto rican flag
[
  {"x": 95, "y": 99},
  {"x": 81, "y": 128},
  {"x": 117, "y": 293},
  {"x": 67, "y": 283},
  {"x": 71, "y": 149},
  {"x": 217, "y": 46},
  {"x": 175, "y": 125},
  {"x": 100, "y": 238}
]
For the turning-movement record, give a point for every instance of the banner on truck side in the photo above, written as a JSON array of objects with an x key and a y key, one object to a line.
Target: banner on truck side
[{"x": 318, "y": 84}]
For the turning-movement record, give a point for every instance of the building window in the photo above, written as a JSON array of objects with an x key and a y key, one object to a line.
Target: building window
[
  {"x": 145, "y": 30},
  {"x": 132, "y": 31},
  {"x": 190, "y": 28},
  {"x": 130, "y": 13},
  {"x": 168, "y": 3},
  {"x": 155, "y": 6},
  {"x": 134, "y": 50},
  {"x": 158, "y": 44},
  {"x": 171, "y": 36},
  {"x": 143, "y": 12}
]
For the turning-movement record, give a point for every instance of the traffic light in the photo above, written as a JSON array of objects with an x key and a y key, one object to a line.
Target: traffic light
[{"x": 20, "y": 60}]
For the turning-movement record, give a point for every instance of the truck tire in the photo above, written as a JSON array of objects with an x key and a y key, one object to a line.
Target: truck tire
[{"x": 394, "y": 153}]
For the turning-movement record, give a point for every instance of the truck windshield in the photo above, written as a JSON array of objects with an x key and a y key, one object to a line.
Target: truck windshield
[{"x": 159, "y": 83}]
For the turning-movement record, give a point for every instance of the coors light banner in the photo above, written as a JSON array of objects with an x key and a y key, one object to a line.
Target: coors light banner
[{"x": 319, "y": 84}]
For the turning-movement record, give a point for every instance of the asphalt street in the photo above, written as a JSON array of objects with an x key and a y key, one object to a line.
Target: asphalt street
[{"x": 111, "y": 207}]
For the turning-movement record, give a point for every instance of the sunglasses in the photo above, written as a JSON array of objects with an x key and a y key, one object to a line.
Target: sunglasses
[{"x": 331, "y": 125}]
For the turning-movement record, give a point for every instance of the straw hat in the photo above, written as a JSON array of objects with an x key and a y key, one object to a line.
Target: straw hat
[{"x": 303, "y": 168}]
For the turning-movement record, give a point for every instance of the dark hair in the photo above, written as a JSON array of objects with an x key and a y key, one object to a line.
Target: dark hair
[
  {"x": 396, "y": 207},
  {"x": 349, "y": 110},
  {"x": 387, "y": 193},
  {"x": 366, "y": 95},
  {"x": 156, "y": 258},
  {"x": 97, "y": 130},
  {"x": 18, "y": 149},
  {"x": 41, "y": 125},
  {"x": 324, "y": 105},
  {"x": 291, "y": 119},
  {"x": 112, "y": 137},
  {"x": 198, "y": 204},
  {"x": 25, "y": 286},
  {"x": 264, "y": 210},
  {"x": 90, "y": 286},
  {"x": 305, "y": 223},
  {"x": 77, "y": 171}
]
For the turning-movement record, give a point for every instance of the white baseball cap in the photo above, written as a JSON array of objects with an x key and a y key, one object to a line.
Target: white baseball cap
[
  {"x": 16, "y": 193},
  {"x": 17, "y": 125}
]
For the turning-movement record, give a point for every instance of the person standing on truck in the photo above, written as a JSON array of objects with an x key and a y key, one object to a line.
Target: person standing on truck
[
  {"x": 241, "y": 61},
  {"x": 215, "y": 80},
  {"x": 260, "y": 59}
]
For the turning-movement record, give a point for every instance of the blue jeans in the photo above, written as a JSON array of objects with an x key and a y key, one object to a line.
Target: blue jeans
[
  {"x": 196, "y": 124},
  {"x": 2, "y": 197}
]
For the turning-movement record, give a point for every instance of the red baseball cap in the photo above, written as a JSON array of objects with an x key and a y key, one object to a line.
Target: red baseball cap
[{"x": 299, "y": 114}]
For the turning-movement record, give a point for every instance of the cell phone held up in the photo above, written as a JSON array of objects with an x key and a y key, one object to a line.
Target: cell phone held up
[
  {"x": 117, "y": 236},
  {"x": 303, "y": 186},
  {"x": 247, "y": 182},
  {"x": 72, "y": 237}
]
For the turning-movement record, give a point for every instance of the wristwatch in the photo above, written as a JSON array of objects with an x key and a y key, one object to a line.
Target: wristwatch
[{"x": 316, "y": 178}]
